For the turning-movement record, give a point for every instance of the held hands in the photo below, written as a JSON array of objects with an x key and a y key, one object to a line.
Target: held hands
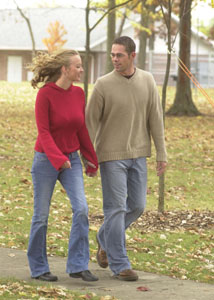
[
  {"x": 88, "y": 164},
  {"x": 90, "y": 174},
  {"x": 67, "y": 165},
  {"x": 161, "y": 167}
]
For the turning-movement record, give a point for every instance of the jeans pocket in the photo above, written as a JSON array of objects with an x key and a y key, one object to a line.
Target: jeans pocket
[
  {"x": 41, "y": 164},
  {"x": 40, "y": 156}
]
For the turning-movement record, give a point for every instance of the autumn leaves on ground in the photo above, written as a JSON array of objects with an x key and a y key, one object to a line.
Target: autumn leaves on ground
[{"x": 179, "y": 243}]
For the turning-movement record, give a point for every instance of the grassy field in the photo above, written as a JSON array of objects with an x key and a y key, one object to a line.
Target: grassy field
[{"x": 182, "y": 247}]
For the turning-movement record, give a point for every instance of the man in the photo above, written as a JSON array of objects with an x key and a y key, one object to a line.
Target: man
[{"x": 123, "y": 112}]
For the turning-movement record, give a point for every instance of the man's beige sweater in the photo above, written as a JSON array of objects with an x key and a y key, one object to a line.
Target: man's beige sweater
[{"x": 123, "y": 114}]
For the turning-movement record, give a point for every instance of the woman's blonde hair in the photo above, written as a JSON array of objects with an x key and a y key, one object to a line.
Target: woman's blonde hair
[{"x": 47, "y": 67}]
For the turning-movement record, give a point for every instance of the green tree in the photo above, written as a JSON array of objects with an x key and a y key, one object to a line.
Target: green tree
[{"x": 208, "y": 30}]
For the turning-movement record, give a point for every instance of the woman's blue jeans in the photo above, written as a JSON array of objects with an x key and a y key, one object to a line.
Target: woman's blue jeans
[
  {"x": 44, "y": 177},
  {"x": 124, "y": 185}
]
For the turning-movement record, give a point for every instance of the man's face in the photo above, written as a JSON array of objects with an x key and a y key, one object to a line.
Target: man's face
[{"x": 122, "y": 61}]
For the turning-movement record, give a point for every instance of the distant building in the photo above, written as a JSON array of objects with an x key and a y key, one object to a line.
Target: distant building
[{"x": 16, "y": 45}]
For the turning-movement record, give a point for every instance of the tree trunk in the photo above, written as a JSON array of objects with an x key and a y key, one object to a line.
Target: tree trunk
[
  {"x": 122, "y": 22},
  {"x": 183, "y": 103},
  {"x": 143, "y": 36},
  {"x": 110, "y": 35},
  {"x": 151, "y": 40},
  {"x": 164, "y": 89},
  {"x": 87, "y": 50}
]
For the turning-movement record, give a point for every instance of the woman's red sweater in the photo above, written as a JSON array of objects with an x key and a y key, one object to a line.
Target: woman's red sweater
[{"x": 60, "y": 119}]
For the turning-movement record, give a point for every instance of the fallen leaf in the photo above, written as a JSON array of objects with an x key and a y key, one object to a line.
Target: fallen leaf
[
  {"x": 11, "y": 255},
  {"x": 142, "y": 289}
]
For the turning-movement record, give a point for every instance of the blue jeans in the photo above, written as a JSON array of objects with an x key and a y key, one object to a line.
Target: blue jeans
[
  {"x": 124, "y": 185},
  {"x": 44, "y": 177}
]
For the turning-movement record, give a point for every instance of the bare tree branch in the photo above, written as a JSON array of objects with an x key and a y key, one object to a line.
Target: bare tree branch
[
  {"x": 108, "y": 11},
  {"x": 123, "y": 19},
  {"x": 29, "y": 27}
]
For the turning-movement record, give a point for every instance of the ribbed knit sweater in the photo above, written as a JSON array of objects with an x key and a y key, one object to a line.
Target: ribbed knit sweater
[
  {"x": 60, "y": 118},
  {"x": 122, "y": 114}
]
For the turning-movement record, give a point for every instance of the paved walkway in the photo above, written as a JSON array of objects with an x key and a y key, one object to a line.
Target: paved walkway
[{"x": 13, "y": 263}]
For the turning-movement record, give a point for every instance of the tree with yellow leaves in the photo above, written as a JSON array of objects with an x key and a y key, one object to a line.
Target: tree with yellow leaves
[{"x": 55, "y": 41}]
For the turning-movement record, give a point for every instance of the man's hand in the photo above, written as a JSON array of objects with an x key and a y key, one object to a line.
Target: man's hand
[{"x": 161, "y": 167}]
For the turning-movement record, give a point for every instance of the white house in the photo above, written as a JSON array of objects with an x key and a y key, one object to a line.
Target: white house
[{"x": 16, "y": 44}]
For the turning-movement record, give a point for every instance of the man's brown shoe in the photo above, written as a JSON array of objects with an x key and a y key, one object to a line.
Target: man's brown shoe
[
  {"x": 101, "y": 256},
  {"x": 127, "y": 275}
]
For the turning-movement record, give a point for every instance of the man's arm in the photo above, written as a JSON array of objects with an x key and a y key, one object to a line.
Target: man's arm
[
  {"x": 156, "y": 124},
  {"x": 93, "y": 114}
]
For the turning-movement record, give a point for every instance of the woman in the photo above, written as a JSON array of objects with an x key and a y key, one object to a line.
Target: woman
[{"x": 60, "y": 119}]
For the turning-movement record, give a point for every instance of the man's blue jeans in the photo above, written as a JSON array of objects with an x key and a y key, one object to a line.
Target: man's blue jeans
[
  {"x": 44, "y": 177},
  {"x": 124, "y": 184}
]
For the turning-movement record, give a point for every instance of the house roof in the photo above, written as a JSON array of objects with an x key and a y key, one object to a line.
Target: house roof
[{"x": 14, "y": 33}]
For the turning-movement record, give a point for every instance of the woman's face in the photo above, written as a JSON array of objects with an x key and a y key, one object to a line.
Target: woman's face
[{"x": 75, "y": 69}]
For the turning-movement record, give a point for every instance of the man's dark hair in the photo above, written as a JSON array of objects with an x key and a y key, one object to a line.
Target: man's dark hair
[{"x": 127, "y": 42}]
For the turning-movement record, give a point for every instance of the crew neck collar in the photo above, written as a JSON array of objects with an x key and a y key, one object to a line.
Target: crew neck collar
[{"x": 130, "y": 76}]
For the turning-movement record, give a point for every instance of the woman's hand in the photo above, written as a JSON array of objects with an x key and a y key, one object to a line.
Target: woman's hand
[{"x": 66, "y": 165}]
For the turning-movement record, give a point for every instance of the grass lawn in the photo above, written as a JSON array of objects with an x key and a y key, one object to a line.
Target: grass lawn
[
  {"x": 20, "y": 290},
  {"x": 183, "y": 248}
]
